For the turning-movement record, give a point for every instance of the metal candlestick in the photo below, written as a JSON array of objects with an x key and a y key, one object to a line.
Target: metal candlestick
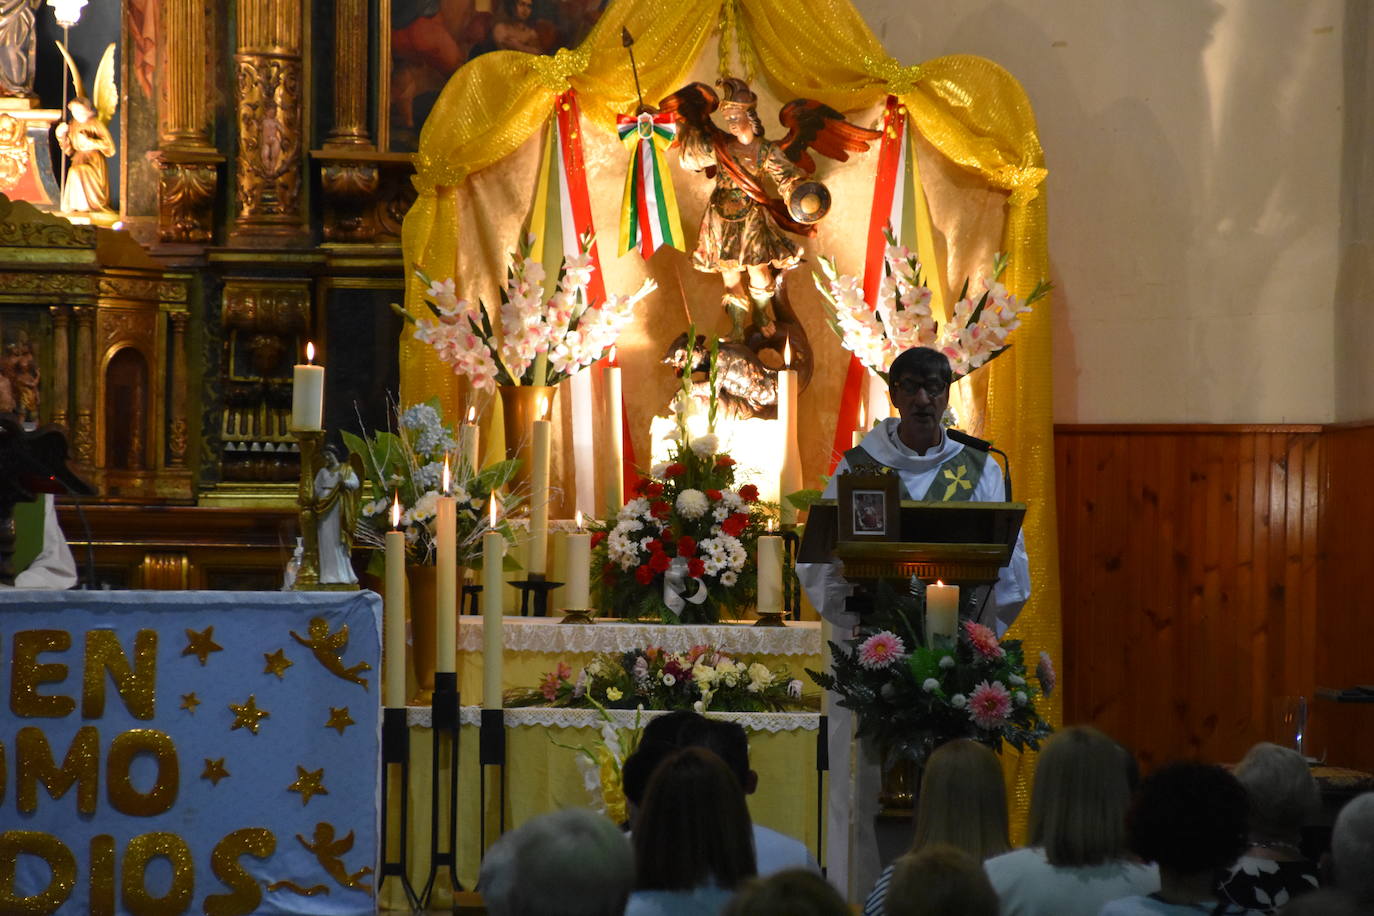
[{"x": 308, "y": 575}]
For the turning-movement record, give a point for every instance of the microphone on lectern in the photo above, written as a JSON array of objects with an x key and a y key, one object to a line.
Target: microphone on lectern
[{"x": 984, "y": 445}]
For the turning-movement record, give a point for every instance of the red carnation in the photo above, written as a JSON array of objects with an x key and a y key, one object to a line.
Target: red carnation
[
  {"x": 713, "y": 495},
  {"x": 659, "y": 562},
  {"x": 644, "y": 575},
  {"x": 660, "y": 509},
  {"x": 749, "y": 493},
  {"x": 597, "y": 538},
  {"x": 642, "y": 484},
  {"x": 725, "y": 461},
  {"x": 654, "y": 490},
  {"x": 655, "y": 546},
  {"x": 696, "y": 567},
  {"x": 676, "y": 469},
  {"x": 735, "y": 524},
  {"x": 667, "y": 535},
  {"x": 686, "y": 546}
]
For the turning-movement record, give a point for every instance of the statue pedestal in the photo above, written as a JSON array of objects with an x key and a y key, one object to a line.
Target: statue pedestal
[{"x": 26, "y": 167}]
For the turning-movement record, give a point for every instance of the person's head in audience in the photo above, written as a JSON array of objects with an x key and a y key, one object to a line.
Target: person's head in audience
[
  {"x": 694, "y": 828},
  {"x": 1352, "y": 849},
  {"x": 940, "y": 880},
  {"x": 963, "y": 801},
  {"x": 573, "y": 862},
  {"x": 1325, "y": 901},
  {"x": 1283, "y": 795},
  {"x": 1078, "y": 804},
  {"x": 794, "y": 892},
  {"x": 728, "y": 741},
  {"x": 661, "y": 736},
  {"x": 1192, "y": 819}
]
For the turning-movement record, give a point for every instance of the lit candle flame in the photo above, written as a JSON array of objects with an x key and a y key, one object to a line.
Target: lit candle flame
[
  {"x": 491, "y": 506},
  {"x": 543, "y": 408},
  {"x": 611, "y": 357},
  {"x": 770, "y": 526},
  {"x": 396, "y": 510},
  {"x": 787, "y": 354},
  {"x": 862, "y": 410},
  {"x": 579, "y": 519},
  {"x": 940, "y": 583},
  {"x": 309, "y": 351},
  {"x": 472, "y": 414},
  {"x": 446, "y": 475}
]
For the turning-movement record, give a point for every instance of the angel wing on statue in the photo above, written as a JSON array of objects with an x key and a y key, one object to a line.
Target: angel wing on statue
[
  {"x": 744, "y": 231},
  {"x": 85, "y": 139}
]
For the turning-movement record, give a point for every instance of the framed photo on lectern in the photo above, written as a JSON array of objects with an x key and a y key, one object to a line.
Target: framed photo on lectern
[{"x": 869, "y": 507}]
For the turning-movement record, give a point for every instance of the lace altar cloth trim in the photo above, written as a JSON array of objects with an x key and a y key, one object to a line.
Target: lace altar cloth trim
[
  {"x": 548, "y": 634},
  {"x": 422, "y": 717}
]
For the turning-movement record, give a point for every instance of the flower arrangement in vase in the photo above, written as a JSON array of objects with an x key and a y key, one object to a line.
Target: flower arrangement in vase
[{"x": 901, "y": 318}]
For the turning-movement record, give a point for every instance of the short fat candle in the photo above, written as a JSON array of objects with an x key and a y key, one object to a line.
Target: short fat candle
[{"x": 307, "y": 393}]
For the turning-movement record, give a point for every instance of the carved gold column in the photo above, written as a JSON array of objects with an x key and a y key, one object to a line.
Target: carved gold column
[
  {"x": 350, "y": 75},
  {"x": 187, "y": 163},
  {"x": 269, "y": 161},
  {"x": 349, "y": 182},
  {"x": 61, "y": 364},
  {"x": 177, "y": 429},
  {"x": 84, "y": 432}
]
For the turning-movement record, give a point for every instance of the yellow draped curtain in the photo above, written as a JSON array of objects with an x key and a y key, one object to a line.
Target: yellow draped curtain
[{"x": 969, "y": 109}]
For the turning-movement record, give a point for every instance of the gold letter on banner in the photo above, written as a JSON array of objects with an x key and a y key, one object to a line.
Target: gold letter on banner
[
  {"x": 246, "y": 895},
  {"x": 13, "y": 844},
  {"x": 101, "y": 871},
  {"x": 123, "y": 796},
  {"x": 25, "y": 700},
  {"x": 33, "y": 764},
  {"x": 142, "y": 849},
  {"x": 135, "y": 683}
]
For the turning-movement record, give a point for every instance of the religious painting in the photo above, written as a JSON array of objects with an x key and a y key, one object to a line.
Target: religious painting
[
  {"x": 869, "y": 507},
  {"x": 431, "y": 39},
  {"x": 24, "y": 366}
]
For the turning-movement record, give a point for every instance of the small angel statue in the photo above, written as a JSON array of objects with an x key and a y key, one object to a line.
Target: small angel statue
[
  {"x": 743, "y": 231},
  {"x": 85, "y": 138}
]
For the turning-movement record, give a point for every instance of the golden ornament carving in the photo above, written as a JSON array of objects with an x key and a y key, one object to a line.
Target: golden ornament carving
[
  {"x": 201, "y": 644},
  {"x": 56, "y": 234},
  {"x": 349, "y": 188},
  {"x": 125, "y": 325},
  {"x": 214, "y": 770},
  {"x": 135, "y": 683},
  {"x": 277, "y": 663},
  {"x": 309, "y": 783},
  {"x": 47, "y": 283},
  {"x": 185, "y": 199},
  {"x": 269, "y": 153},
  {"x": 248, "y": 715},
  {"x": 14, "y": 152}
]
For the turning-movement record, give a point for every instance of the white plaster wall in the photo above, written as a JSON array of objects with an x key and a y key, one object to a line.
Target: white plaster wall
[{"x": 1197, "y": 152}]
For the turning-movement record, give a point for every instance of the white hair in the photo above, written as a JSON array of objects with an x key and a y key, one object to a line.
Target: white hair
[
  {"x": 1352, "y": 848},
  {"x": 1283, "y": 795},
  {"x": 572, "y": 862}
]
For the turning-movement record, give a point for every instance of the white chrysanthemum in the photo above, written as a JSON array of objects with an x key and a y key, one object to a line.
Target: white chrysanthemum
[
  {"x": 705, "y": 446},
  {"x": 947, "y": 662},
  {"x": 426, "y": 506},
  {"x": 692, "y": 504},
  {"x": 729, "y": 578},
  {"x": 930, "y": 685},
  {"x": 634, "y": 508},
  {"x": 1020, "y": 697},
  {"x": 958, "y": 701}
]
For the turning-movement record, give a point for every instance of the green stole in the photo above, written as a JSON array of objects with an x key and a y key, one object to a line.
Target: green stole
[
  {"x": 955, "y": 480},
  {"x": 28, "y": 533}
]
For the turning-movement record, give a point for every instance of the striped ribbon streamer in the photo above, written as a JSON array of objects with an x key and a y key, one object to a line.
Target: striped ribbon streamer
[{"x": 648, "y": 212}]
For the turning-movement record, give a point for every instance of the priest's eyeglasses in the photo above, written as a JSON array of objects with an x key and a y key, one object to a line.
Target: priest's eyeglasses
[{"x": 909, "y": 385}]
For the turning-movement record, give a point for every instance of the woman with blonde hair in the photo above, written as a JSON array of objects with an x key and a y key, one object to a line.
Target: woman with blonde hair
[
  {"x": 1078, "y": 857},
  {"x": 963, "y": 803}
]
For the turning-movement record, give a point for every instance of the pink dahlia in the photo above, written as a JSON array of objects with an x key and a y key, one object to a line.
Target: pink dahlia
[
  {"x": 983, "y": 640},
  {"x": 989, "y": 705},
  {"x": 881, "y": 650},
  {"x": 1045, "y": 672}
]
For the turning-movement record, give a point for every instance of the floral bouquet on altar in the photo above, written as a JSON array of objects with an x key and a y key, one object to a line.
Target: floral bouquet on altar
[
  {"x": 901, "y": 318},
  {"x": 704, "y": 678},
  {"x": 541, "y": 342},
  {"x": 407, "y": 465},
  {"x": 911, "y": 697},
  {"x": 685, "y": 548}
]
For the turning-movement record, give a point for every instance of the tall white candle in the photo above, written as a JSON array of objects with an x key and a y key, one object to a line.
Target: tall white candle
[
  {"x": 446, "y": 579},
  {"x": 394, "y": 613},
  {"x": 860, "y": 430},
  {"x": 615, "y": 451},
  {"x": 539, "y": 493},
  {"x": 578, "y": 550},
  {"x": 942, "y": 611},
  {"x": 770, "y": 574},
  {"x": 307, "y": 392},
  {"x": 790, "y": 478},
  {"x": 467, "y": 440},
  {"x": 493, "y": 584}
]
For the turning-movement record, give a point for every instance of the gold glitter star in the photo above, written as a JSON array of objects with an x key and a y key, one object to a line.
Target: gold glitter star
[
  {"x": 277, "y": 663},
  {"x": 248, "y": 714},
  {"x": 189, "y": 702},
  {"x": 200, "y": 644},
  {"x": 214, "y": 770},
  {"x": 339, "y": 719},
  {"x": 308, "y": 783}
]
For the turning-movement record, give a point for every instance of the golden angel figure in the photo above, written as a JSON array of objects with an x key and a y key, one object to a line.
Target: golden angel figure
[
  {"x": 86, "y": 140},
  {"x": 744, "y": 230}
]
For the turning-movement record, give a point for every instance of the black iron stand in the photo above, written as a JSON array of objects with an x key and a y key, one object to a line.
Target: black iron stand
[
  {"x": 443, "y": 849},
  {"x": 491, "y": 752},
  {"x": 538, "y": 587},
  {"x": 791, "y": 585},
  {"x": 822, "y": 769},
  {"x": 396, "y": 751}
]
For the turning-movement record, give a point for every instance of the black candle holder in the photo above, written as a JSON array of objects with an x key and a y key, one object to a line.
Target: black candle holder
[
  {"x": 791, "y": 585},
  {"x": 471, "y": 600},
  {"x": 396, "y": 752},
  {"x": 491, "y": 752},
  {"x": 538, "y": 587},
  {"x": 443, "y": 849}
]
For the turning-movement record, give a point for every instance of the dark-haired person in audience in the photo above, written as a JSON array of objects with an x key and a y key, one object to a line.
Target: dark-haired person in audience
[
  {"x": 1327, "y": 901},
  {"x": 692, "y": 842},
  {"x": 793, "y": 892},
  {"x": 1077, "y": 858},
  {"x": 573, "y": 862},
  {"x": 940, "y": 880},
  {"x": 1192, "y": 820},
  {"x": 1352, "y": 849},
  {"x": 1283, "y": 798},
  {"x": 963, "y": 804}
]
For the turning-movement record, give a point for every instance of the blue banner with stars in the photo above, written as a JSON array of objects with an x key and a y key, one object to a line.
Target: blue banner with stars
[{"x": 190, "y": 752}]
